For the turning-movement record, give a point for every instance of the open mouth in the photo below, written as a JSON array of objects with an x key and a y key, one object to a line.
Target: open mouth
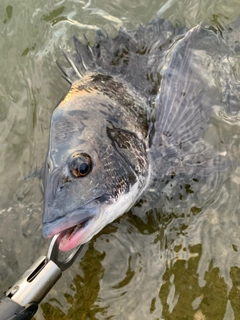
[{"x": 72, "y": 236}]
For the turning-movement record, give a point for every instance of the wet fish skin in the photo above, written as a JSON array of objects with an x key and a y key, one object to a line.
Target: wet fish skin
[
  {"x": 103, "y": 118},
  {"x": 137, "y": 107}
]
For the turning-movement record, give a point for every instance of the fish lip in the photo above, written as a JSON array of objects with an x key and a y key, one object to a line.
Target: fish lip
[
  {"x": 83, "y": 224},
  {"x": 74, "y": 229},
  {"x": 63, "y": 224},
  {"x": 75, "y": 236}
]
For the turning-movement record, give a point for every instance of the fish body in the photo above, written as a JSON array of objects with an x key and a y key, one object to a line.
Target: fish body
[
  {"x": 99, "y": 123},
  {"x": 136, "y": 108}
]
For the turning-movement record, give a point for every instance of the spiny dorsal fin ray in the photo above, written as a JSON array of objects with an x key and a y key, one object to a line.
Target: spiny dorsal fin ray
[
  {"x": 84, "y": 55},
  {"x": 65, "y": 72},
  {"x": 132, "y": 55},
  {"x": 73, "y": 63}
]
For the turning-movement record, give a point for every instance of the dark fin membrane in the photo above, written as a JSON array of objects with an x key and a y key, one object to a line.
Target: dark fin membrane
[
  {"x": 135, "y": 56},
  {"x": 201, "y": 160},
  {"x": 231, "y": 35},
  {"x": 184, "y": 105}
]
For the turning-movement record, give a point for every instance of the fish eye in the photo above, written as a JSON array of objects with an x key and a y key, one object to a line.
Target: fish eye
[{"x": 80, "y": 164}]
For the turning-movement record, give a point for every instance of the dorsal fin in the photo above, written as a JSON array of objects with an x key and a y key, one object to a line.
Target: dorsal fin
[{"x": 131, "y": 55}]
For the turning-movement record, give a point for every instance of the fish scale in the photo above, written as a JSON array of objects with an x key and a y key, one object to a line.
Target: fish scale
[{"x": 137, "y": 110}]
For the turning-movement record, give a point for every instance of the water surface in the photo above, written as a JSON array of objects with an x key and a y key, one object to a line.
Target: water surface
[{"x": 178, "y": 262}]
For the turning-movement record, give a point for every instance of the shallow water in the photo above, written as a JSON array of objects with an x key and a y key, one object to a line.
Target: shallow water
[{"x": 179, "y": 262}]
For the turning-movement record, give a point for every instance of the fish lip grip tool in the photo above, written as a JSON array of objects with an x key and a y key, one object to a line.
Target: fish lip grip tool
[{"x": 21, "y": 300}]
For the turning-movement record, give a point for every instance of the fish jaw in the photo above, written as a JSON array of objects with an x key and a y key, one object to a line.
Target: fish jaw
[
  {"x": 77, "y": 235},
  {"x": 87, "y": 223},
  {"x": 73, "y": 227}
]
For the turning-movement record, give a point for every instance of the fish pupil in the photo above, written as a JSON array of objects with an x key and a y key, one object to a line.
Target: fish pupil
[
  {"x": 84, "y": 168},
  {"x": 80, "y": 164}
]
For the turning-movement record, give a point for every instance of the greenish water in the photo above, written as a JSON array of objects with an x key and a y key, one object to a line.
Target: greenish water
[{"x": 183, "y": 265}]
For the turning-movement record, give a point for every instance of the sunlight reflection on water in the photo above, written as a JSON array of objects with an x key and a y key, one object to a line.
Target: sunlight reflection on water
[{"x": 179, "y": 261}]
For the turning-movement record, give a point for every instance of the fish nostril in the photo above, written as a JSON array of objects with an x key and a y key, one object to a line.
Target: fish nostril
[
  {"x": 63, "y": 183},
  {"x": 59, "y": 189}
]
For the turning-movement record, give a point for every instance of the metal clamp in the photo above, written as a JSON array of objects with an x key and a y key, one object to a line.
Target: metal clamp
[
  {"x": 53, "y": 253},
  {"x": 37, "y": 281}
]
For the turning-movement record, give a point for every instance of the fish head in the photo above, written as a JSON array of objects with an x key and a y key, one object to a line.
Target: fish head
[{"x": 90, "y": 178}]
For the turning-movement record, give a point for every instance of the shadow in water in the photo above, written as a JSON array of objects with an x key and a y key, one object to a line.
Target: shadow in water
[{"x": 86, "y": 288}]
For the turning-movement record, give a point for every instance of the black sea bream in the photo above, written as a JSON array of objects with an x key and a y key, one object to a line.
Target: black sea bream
[{"x": 136, "y": 112}]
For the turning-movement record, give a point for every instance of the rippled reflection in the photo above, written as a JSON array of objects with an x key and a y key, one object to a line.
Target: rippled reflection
[{"x": 176, "y": 254}]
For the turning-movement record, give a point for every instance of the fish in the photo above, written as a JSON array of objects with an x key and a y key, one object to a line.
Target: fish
[{"x": 136, "y": 111}]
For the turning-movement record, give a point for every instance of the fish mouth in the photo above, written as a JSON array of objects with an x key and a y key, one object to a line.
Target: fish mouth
[
  {"x": 73, "y": 236},
  {"x": 75, "y": 227}
]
